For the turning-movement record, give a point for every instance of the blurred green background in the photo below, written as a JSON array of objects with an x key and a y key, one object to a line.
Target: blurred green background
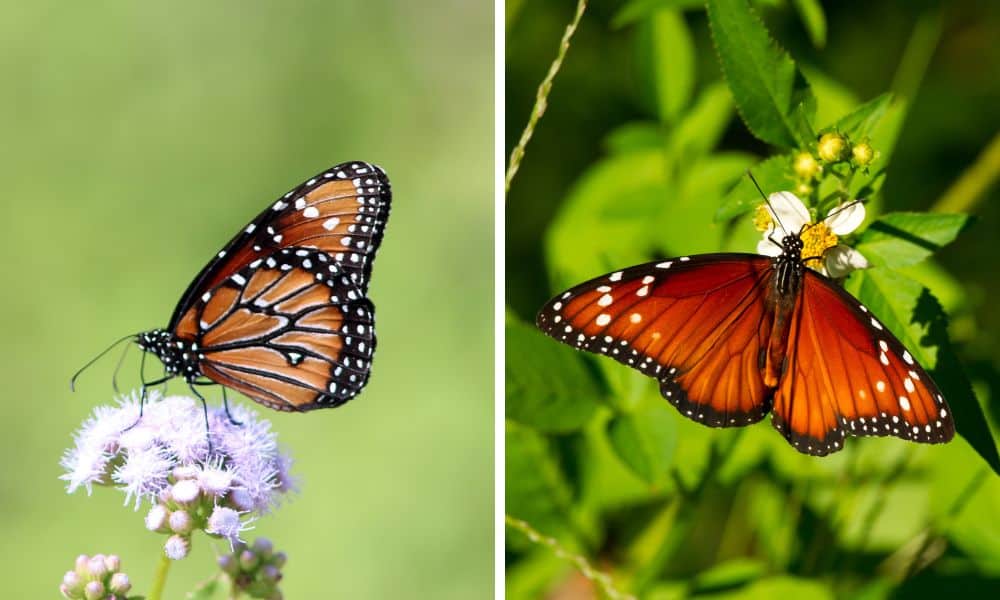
[
  {"x": 136, "y": 139},
  {"x": 638, "y": 148}
]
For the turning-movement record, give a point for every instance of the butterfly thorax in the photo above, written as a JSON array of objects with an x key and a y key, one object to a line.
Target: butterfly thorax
[
  {"x": 178, "y": 356},
  {"x": 789, "y": 268},
  {"x": 789, "y": 271}
]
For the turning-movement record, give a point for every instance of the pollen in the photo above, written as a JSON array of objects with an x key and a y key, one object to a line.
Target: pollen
[
  {"x": 816, "y": 240},
  {"x": 762, "y": 220}
]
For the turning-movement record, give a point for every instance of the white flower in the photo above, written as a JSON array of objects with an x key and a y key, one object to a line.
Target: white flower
[{"x": 788, "y": 215}]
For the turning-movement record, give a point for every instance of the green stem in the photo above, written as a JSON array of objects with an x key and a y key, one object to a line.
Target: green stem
[
  {"x": 970, "y": 188},
  {"x": 541, "y": 98},
  {"x": 160, "y": 578}
]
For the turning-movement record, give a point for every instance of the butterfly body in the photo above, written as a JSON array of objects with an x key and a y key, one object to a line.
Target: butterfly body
[
  {"x": 732, "y": 337},
  {"x": 281, "y": 313}
]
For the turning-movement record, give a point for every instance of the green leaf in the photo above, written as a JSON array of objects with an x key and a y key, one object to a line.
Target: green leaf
[
  {"x": 537, "y": 490},
  {"x": 904, "y": 238},
  {"x": 859, "y": 123},
  {"x": 700, "y": 129},
  {"x": 207, "y": 590},
  {"x": 636, "y": 10},
  {"x": 813, "y": 17},
  {"x": 636, "y": 136},
  {"x": 548, "y": 386},
  {"x": 645, "y": 440},
  {"x": 771, "y": 174},
  {"x": 778, "y": 586},
  {"x": 771, "y": 94},
  {"x": 912, "y": 313},
  {"x": 732, "y": 573},
  {"x": 667, "y": 59}
]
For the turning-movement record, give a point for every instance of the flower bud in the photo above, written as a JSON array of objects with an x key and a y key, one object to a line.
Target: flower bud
[
  {"x": 156, "y": 518},
  {"x": 831, "y": 147},
  {"x": 73, "y": 584},
  {"x": 803, "y": 189},
  {"x": 96, "y": 566},
  {"x": 64, "y": 590},
  {"x": 863, "y": 154},
  {"x": 227, "y": 562},
  {"x": 805, "y": 165},
  {"x": 113, "y": 562},
  {"x": 248, "y": 560},
  {"x": 120, "y": 585},
  {"x": 215, "y": 482},
  {"x": 279, "y": 559},
  {"x": 176, "y": 547},
  {"x": 263, "y": 547},
  {"x": 270, "y": 573},
  {"x": 241, "y": 500},
  {"x": 181, "y": 521},
  {"x": 81, "y": 563},
  {"x": 93, "y": 590},
  {"x": 185, "y": 491}
]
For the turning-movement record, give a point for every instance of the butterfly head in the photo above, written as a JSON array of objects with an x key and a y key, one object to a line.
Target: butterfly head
[{"x": 178, "y": 356}]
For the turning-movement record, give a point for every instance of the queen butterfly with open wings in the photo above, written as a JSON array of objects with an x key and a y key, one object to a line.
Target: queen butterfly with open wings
[
  {"x": 731, "y": 337},
  {"x": 281, "y": 313}
]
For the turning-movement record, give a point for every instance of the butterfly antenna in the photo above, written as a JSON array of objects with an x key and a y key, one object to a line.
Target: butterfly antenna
[
  {"x": 72, "y": 380},
  {"x": 774, "y": 213}
]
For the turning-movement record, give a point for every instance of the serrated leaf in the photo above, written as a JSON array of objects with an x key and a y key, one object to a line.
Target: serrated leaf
[
  {"x": 912, "y": 313},
  {"x": 537, "y": 490},
  {"x": 771, "y": 94},
  {"x": 905, "y": 238},
  {"x": 667, "y": 55},
  {"x": 645, "y": 440},
  {"x": 859, "y": 123},
  {"x": 640, "y": 9},
  {"x": 813, "y": 17},
  {"x": 771, "y": 174},
  {"x": 548, "y": 386}
]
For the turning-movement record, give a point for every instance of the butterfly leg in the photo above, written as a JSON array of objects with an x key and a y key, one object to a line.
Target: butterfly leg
[
  {"x": 118, "y": 367},
  {"x": 204, "y": 408},
  {"x": 225, "y": 403}
]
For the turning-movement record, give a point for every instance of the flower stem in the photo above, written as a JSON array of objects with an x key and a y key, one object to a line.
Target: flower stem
[
  {"x": 541, "y": 98},
  {"x": 160, "y": 578}
]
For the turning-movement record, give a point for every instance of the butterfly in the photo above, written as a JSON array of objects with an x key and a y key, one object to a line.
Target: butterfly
[
  {"x": 281, "y": 313},
  {"x": 732, "y": 337}
]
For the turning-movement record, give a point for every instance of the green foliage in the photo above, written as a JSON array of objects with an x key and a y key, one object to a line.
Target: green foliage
[
  {"x": 771, "y": 93},
  {"x": 673, "y": 509},
  {"x": 548, "y": 385}
]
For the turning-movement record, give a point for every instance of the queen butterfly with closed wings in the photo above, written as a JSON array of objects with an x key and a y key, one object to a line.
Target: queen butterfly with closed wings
[
  {"x": 281, "y": 313},
  {"x": 732, "y": 337}
]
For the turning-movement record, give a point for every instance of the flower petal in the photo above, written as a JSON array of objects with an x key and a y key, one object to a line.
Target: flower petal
[
  {"x": 768, "y": 248},
  {"x": 843, "y": 220},
  {"x": 841, "y": 260},
  {"x": 788, "y": 210}
]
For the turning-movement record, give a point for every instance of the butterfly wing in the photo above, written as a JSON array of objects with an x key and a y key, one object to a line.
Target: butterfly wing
[
  {"x": 341, "y": 211},
  {"x": 848, "y": 374},
  {"x": 700, "y": 325},
  {"x": 291, "y": 330}
]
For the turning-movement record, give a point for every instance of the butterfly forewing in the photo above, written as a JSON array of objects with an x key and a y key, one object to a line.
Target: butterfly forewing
[
  {"x": 291, "y": 330},
  {"x": 700, "y": 325},
  {"x": 849, "y": 375},
  {"x": 341, "y": 211}
]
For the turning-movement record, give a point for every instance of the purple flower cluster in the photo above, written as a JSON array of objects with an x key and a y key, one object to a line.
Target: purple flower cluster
[{"x": 165, "y": 458}]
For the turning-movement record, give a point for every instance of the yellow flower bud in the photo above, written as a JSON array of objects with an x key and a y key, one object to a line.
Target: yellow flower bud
[
  {"x": 831, "y": 147},
  {"x": 863, "y": 154},
  {"x": 805, "y": 165},
  {"x": 803, "y": 189}
]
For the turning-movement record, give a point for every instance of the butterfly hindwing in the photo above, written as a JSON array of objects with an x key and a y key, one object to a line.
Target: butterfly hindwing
[
  {"x": 847, "y": 374},
  {"x": 699, "y": 325},
  {"x": 290, "y": 330}
]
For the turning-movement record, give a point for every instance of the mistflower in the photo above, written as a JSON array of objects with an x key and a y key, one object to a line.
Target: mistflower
[
  {"x": 818, "y": 239},
  {"x": 254, "y": 569},
  {"x": 96, "y": 576},
  {"x": 165, "y": 458}
]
